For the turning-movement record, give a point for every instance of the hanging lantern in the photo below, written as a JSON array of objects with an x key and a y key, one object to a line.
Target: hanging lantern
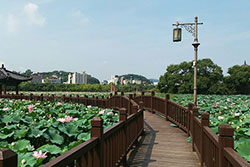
[{"x": 177, "y": 35}]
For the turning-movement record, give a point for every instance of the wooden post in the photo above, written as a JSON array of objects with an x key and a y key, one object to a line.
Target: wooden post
[
  {"x": 152, "y": 101},
  {"x": 129, "y": 104},
  {"x": 134, "y": 109},
  {"x": 134, "y": 95},
  {"x": 52, "y": 97},
  {"x": 4, "y": 89},
  {"x": 16, "y": 89},
  {"x": 70, "y": 98},
  {"x": 142, "y": 94},
  {"x": 41, "y": 97},
  {"x": 195, "y": 114},
  {"x": 97, "y": 131},
  {"x": 115, "y": 93},
  {"x": 123, "y": 117},
  {"x": 96, "y": 102},
  {"x": 166, "y": 106},
  {"x": 77, "y": 98},
  {"x": 204, "y": 122},
  {"x": 63, "y": 98},
  {"x": 190, "y": 107},
  {"x": 226, "y": 133},
  {"x": 31, "y": 96},
  {"x": 8, "y": 158},
  {"x": 1, "y": 89},
  {"x": 122, "y": 93}
]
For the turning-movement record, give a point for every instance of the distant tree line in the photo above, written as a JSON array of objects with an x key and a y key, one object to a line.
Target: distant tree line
[
  {"x": 179, "y": 78},
  {"x": 29, "y": 86}
]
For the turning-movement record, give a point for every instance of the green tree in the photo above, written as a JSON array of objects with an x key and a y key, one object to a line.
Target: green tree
[
  {"x": 179, "y": 78},
  {"x": 239, "y": 79},
  {"x": 27, "y": 73}
]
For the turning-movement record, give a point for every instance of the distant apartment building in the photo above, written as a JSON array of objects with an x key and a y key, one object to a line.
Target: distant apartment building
[
  {"x": 114, "y": 79},
  {"x": 77, "y": 78}
]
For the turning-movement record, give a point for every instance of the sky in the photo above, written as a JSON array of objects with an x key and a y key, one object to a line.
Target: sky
[{"x": 109, "y": 37}]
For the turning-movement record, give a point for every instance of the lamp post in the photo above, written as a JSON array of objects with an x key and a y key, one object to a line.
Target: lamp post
[{"x": 192, "y": 28}]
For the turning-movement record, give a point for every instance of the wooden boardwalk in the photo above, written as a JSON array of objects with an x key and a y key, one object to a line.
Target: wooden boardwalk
[{"x": 162, "y": 146}]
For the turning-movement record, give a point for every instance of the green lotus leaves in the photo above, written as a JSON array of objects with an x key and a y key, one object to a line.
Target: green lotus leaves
[
  {"x": 244, "y": 150},
  {"x": 52, "y": 149},
  {"x": 24, "y": 132}
]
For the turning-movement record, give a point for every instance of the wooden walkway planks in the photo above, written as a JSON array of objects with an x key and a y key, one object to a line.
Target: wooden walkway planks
[{"x": 162, "y": 146}]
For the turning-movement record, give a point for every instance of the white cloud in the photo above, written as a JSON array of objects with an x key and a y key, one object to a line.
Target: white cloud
[
  {"x": 79, "y": 15},
  {"x": 12, "y": 23},
  {"x": 33, "y": 15}
]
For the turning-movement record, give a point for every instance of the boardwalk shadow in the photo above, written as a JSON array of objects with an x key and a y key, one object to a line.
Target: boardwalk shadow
[{"x": 141, "y": 155}]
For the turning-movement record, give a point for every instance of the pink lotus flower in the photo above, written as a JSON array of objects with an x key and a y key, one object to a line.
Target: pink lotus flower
[
  {"x": 220, "y": 118},
  {"x": 89, "y": 106},
  {"x": 246, "y": 101},
  {"x": 5, "y": 109},
  {"x": 67, "y": 119},
  {"x": 225, "y": 108},
  {"x": 216, "y": 104},
  {"x": 232, "y": 113},
  {"x": 219, "y": 112},
  {"x": 232, "y": 104},
  {"x": 30, "y": 108},
  {"x": 59, "y": 104},
  {"x": 212, "y": 105},
  {"x": 1, "y": 100},
  {"x": 101, "y": 112},
  {"x": 39, "y": 155},
  {"x": 237, "y": 114}
]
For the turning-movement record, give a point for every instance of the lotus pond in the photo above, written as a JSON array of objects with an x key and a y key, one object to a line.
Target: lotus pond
[
  {"x": 226, "y": 109},
  {"x": 41, "y": 131}
]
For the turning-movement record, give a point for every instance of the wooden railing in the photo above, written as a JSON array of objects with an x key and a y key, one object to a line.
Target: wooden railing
[
  {"x": 213, "y": 150},
  {"x": 109, "y": 148},
  {"x": 105, "y": 148}
]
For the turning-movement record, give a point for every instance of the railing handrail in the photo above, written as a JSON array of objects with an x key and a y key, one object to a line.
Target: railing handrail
[{"x": 73, "y": 154}]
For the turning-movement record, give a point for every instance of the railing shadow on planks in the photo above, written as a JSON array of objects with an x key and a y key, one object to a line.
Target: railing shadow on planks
[{"x": 109, "y": 147}]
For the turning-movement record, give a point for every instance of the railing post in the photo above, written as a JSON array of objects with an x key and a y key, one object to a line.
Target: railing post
[
  {"x": 142, "y": 94},
  {"x": 190, "y": 106},
  {"x": 204, "y": 122},
  {"x": 123, "y": 117},
  {"x": 31, "y": 96},
  {"x": 70, "y": 98},
  {"x": 152, "y": 101},
  {"x": 166, "y": 106},
  {"x": 52, "y": 97},
  {"x": 77, "y": 98},
  {"x": 8, "y": 158},
  {"x": 226, "y": 133},
  {"x": 134, "y": 95},
  {"x": 115, "y": 93},
  {"x": 97, "y": 101},
  {"x": 63, "y": 98},
  {"x": 195, "y": 114},
  {"x": 97, "y": 131},
  {"x": 141, "y": 107},
  {"x": 134, "y": 109},
  {"x": 41, "y": 97},
  {"x": 129, "y": 104}
]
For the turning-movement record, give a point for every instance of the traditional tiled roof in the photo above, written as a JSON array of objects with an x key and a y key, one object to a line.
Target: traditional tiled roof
[{"x": 9, "y": 76}]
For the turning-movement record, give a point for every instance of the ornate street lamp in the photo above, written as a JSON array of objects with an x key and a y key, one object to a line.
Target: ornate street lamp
[{"x": 193, "y": 29}]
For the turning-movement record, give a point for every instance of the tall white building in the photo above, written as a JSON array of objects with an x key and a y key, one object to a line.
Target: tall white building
[{"x": 77, "y": 78}]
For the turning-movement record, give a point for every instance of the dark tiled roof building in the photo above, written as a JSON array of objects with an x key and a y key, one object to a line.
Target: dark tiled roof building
[{"x": 9, "y": 78}]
